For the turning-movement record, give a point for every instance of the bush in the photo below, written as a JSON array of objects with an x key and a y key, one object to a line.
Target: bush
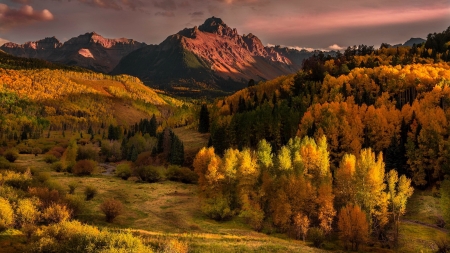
[
  {"x": 181, "y": 174},
  {"x": 58, "y": 167},
  {"x": 17, "y": 180},
  {"x": 11, "y": 155},
  {"x": 6, "y": 214},
  {"x": 149, "y": 173},
  {"x": 72, "y": 187},
  {"x": 87, "y": 153},
  {"x": 90, "y": 192},
  {"x": 22, "y": 148},
  {"x": 35, "y": 151},
  {"x": 55, "y": 213},
  {"x": 176, "y": 246},
  {"x": 443, "y": 244},
  {"x": 75, "y": 204},
  {"x": 316, "y": 236},
  {"x": 42, "y": 177},
  {"x": 84, "y": 168},
  {"x": 123, "y": 171},
  {"x": 46, "y": 196},
  {"x": 217, "y": 208},
  {"x": 5, "y": 164},
  {"x": 79, "y": 238},
  {"x": 48, "y": 158},
  {"x": 27, "y": 212},
  {"x": 111, "y": 208},
  {"x": 56, "y": 151}
]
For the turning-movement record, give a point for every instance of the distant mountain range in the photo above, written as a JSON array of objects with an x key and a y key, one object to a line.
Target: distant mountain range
[
  {"x": 89, "y": 50},
  {"x": 210, "y": 57}
]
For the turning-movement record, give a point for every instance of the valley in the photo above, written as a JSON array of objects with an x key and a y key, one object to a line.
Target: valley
[{"x": 213, "y": 141}]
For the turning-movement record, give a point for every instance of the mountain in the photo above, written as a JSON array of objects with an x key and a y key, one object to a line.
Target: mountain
[
  {"x": 408, "y": 43},
  {"x": 89, "y": 50},
  {"x": 212, "y": 56},
  {"x": 413, "y": 41}
]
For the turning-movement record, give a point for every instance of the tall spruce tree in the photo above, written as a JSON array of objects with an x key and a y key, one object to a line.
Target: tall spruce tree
[{"x": 203, "y": 126}]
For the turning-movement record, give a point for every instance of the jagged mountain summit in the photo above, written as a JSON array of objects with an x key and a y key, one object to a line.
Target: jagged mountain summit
[
  {"x": 89, "y": 50},
  {"x": 210, "y": 56}
]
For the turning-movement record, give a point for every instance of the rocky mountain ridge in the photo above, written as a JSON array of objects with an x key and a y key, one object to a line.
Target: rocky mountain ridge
[{"x": 89, "y": 50}]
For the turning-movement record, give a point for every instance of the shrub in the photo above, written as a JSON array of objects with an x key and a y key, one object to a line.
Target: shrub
[
  {"x": 443, "y": 244},
  {"x": 123, "y": 171},
  {"x": 176, "y": 246},
  {"x": 55, "y": 213},
  {"x": 11, "y": 155},
  {"x": 35, "y": 151},
  {"x": 48, "y": 158},
  {"x": 90, "y": 192},
  {"x": 17, "y": 180},
  {"x": 6, "y": 214},
  {"x": 84, "y": 167},
  {"x": 46, "y": 196},
  {"x": 75, "y": 204},
  {"x": 23, "y": 149},
  {"x": 316, "y": 236},
  {"x": 56, "y": 151},
  {"x": 27, "y": 212},
  {"x": 217, "y": 208},
  {"x": 87, "y": 153},
  {"x": 111, "y": 208},
  {"x": 181, "y": 174},
  {"x": 149, "y": 173},
  {"x": 79, "y": 238},
  {"x": 72, "y": 187},
  {"x": 42, "y": 177},
  {"x": 5, "y": 164},
  {"x": 58, "y": 167}
]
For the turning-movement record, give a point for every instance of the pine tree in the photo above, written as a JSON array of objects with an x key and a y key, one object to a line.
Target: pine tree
[
  {"x": 203, "y": 126},
  {"x": 153, "y": 126}
]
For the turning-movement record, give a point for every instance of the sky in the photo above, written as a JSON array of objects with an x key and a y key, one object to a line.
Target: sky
[{"x": 311, "y": 24}]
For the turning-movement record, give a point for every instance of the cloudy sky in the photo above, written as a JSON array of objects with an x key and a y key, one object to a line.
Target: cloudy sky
[{"x": 297, "y": 23}]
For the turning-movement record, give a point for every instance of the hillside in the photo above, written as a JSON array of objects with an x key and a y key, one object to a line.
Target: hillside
[
  {"x": 37, "y": 98},
  {"x": 90, "y": 50}
]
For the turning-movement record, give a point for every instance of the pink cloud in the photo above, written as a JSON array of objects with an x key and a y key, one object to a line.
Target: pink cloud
[
  {"x": 25, "y": 15},
  {"x": 3, "y": 41},
  {"x": 322, "y": 23}
]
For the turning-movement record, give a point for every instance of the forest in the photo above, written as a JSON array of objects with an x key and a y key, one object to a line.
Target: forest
[{"x": 350, "y": 153}]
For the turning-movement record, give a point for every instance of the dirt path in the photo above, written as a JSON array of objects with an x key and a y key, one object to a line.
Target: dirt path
[
  {"x": 425, "y": 224},
  {"x": 109, "y": 169}
]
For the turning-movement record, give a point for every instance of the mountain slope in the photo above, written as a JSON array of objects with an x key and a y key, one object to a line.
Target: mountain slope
[
  {"x": 211, "y": 56},
  {"x": 89, "y": 50}
]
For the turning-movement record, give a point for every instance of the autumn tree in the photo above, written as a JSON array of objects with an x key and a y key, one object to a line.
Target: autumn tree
[
  {"x": 353, "y": 226},
  {"x": 399, "y": 191},
  {"x": 344, "y": 181},
  {"x": 301, "y": 224}
]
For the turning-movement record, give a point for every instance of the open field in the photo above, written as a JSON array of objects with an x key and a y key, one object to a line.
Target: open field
[
  {"x": 193, "y": 141},
  {"x": 168, "y": 210}
]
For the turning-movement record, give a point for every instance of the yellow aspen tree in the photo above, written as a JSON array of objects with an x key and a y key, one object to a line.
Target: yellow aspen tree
[{"x": 399, "y": 191}]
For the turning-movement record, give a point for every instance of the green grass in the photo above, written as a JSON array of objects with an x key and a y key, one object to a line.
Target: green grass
[
  {"x": 192, "y": 140},
  {"x": 418, "y": 238},
  {"x": 423, "y": 207}
]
